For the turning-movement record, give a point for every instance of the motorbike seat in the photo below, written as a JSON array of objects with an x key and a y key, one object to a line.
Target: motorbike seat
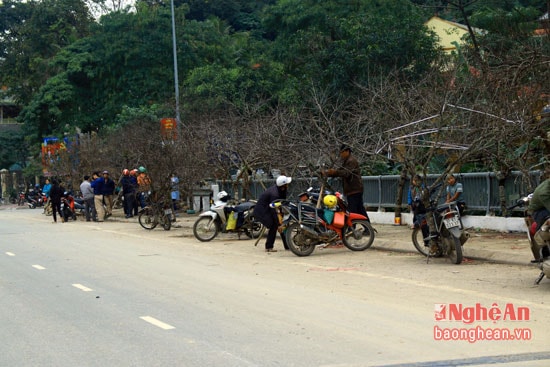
[{"x": 243, "y": 207}]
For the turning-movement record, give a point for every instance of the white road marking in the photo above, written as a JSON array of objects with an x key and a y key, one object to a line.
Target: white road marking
[
  {"x": 156, "y": 322},
  {"x": 10, "y": 254},
  {"x": 39, "y": 267},
  {"x": 82, "y": 288}
]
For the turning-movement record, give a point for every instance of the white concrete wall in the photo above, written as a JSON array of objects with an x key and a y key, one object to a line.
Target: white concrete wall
[{"x": 470, "y": 221}]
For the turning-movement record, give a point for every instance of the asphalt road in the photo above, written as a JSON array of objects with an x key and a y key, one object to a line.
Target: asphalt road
[{"x": 114, "y": 294}]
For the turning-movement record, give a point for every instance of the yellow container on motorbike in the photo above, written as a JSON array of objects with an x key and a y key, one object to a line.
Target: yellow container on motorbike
[{"x": 231, "y": 222}]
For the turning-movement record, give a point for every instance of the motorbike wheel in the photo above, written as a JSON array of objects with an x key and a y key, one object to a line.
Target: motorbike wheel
[
  {"x": 205, "y": 229},
  {"x": 167, "y": 223},
  {"x": 359, "y": 236},
  {"x": 418, "y": 241},
  {"x": 147, "y": 219},
  {"x": 454, "y": 249},
  {"x": 48, "y": 209},
  {"x": 294, "y": 240},
  {"x": 252, "y": 228}
]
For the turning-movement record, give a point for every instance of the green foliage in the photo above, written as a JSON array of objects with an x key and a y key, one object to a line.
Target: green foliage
[
  {"x": 253, "y": 58},
  {"x": 241, "y": 15},
  {"x": 334, "y": 45},
  {"x": 12, "y": 149},
  {"x": 506, "y": 31},
  {"x": 32, "y": 33}
]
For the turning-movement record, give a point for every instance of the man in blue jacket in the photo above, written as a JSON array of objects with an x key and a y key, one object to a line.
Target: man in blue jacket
[{"x": 97, "y": 185}]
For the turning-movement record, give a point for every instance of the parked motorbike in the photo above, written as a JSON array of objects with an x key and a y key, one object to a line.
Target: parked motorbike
[
  {"x": 68, "y": 207},
  {"x": 22, "y": 198},
  {"x": 308, "y": 225},
  {"x": 34, "y": 199},
  {"x": 79, "y": 206},
  {"x": 226, "y": 218},
  {"x": 447, "y": 238},
  {"x": 538, "y": 236},
  {"x": 155, "y": 212}
]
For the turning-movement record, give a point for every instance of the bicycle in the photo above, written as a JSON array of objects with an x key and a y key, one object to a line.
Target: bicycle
[{"x": 156, "y": 212}]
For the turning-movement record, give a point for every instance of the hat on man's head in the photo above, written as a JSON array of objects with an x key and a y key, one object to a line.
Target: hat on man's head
[
  {"x": 345, "y": 147},
  {"x": 283, "y": 180},
  {"x": 105, "y": 172}
]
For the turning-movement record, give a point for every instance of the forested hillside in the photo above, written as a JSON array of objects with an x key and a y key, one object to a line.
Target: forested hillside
[{"x": 278, "y": 84}]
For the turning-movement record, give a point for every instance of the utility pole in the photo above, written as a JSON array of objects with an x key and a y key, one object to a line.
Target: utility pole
[{"x": 176, "y": 82}]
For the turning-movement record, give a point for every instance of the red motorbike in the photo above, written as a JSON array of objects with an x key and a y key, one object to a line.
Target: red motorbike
[{"x": 311, "y": 224}]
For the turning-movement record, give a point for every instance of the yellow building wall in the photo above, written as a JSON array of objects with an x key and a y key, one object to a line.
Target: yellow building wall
[{"x": 448, "y": 32}]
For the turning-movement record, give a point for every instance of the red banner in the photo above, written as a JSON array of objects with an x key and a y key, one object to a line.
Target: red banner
[{"x": 168, "y": 128}]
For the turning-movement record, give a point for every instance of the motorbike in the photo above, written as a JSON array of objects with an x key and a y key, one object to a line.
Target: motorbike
[
  {"x": 47, "y": 205},
  {"x": 154, "y": 213},
  {"x": 79, "y": 205},
  {"x": 68, "y": 207},
  {"x": 34, "y": 199},
  {"x": 225, "y": 218},
  {"x": 22, "y": 198},
  {"x": 447, "y": 238},
  {"x": 538, "y": 236},
  {"x": 307, "y": 225}
]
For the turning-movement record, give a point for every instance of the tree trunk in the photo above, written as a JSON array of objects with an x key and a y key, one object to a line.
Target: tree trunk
[{"x": 399, "y": 199}]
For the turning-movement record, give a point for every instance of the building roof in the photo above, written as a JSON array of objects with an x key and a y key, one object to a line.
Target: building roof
[{"x": 448, "y": 32}]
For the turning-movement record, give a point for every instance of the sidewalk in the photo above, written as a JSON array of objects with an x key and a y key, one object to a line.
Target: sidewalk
[{"x": 499, "y": 247}]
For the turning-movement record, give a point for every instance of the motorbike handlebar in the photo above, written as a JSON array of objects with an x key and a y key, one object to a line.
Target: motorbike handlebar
[
  {"x": 277, "y": 203},
  {"x": 521, "y": 202}
]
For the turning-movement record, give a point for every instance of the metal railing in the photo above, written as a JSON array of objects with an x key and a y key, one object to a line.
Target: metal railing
[{"x": 481, "y": 190}]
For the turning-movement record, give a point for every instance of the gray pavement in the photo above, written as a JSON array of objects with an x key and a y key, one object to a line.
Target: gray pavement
[{"x": 483, "y": 245}]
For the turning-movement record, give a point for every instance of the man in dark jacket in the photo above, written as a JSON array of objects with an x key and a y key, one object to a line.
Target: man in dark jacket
[
  {"x": 267, "y": 215},
  {"x": 56, "y": 193},
  {"x": 108, "y": 192},
  {"x": 351, "y": 180},
  {"x": 539, "y": 206},
  {"x": 129, "y": 191}
]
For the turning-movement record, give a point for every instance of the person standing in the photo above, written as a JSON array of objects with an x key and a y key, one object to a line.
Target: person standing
[
  {"x": 108, "y": 192},
  {"x": 539, "y": 208},
  {"x": 268, "y": 216},
  {"x": 46, "y": 188},
  {"x": 46, "y": 191},
  {"x": 88, "y": 196},
  {"x": 414, "y": 199},
  {"x": 129, "y": 192},
  {"x": 133, "y": 179},
  {"x": 97, "y": 185},
  {"x": 144, "y": 185},
  {"x": 56, "y": 193},
  {"x": 175, "y": 192},
  {"x": 351, "y": 180}
]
